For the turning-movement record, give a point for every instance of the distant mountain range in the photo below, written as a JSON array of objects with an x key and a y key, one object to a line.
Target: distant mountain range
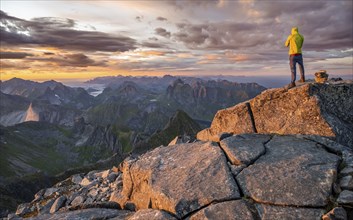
[{"x": 50, "y": 121}]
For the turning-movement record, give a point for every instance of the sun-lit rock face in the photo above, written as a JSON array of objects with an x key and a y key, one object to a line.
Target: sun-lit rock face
[
  {"x": 31, "y": 114},
  {"x": 316, "y": 109}
]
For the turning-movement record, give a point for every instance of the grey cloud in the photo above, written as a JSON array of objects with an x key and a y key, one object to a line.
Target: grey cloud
[
  {"x": 59, "y": 33},
  {"x": 159, "y": 65},
  {"x": 161, "y": 19},
  {"x": 73, "y": 60},
  {"x": 323, "y": 23},
  {"x": 14, "y": 55},
  {"x": 153, "y": 38},
  {"x": 153, "y": 44},
  {"x": 162, "y": 32},
  {"x": 221, "y": 35},
  {"x": 198, "y": 3},
  {"x": 277, "y": 8},
  {"x": 139, "y": 18}
]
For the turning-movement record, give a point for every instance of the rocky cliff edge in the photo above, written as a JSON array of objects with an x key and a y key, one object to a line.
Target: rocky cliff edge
[
  {"x": 248, "y": 176},
  {"x": 313, "y": 109}
]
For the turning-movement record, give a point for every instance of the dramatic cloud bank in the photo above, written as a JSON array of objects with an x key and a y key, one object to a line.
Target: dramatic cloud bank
[{"x": 85, "y": 39}]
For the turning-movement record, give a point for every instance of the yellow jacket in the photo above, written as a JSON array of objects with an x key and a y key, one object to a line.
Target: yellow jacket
[{"x": 295, "y": 42}]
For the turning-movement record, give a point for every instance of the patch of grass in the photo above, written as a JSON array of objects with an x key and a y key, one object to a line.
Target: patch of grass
[
  {"x": 66, "y": 132},
  {"x": 124, "y": 138}
]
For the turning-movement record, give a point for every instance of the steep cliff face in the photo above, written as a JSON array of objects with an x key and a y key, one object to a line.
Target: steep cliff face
[
  {"x": 12, "y": 109},
  {"x": 31, "y": 114},
  {"x": 212, "y": 92},
  {"x": 180, "y": 124},
  {"x": 317, "y": 109}
]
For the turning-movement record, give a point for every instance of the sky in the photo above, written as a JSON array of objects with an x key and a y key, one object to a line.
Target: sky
[{"x": 42, "y": 40}]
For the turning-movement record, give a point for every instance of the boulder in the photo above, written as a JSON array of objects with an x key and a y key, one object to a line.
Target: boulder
[
  {"x": 237, "y": 209},
  {"x": 59, "y": 202},
  {"x": 76, "y": 179},
  {"x": 180, "y": 179},
  {"x": 321, "y": 76},
  {"x": 50, "y": 191},
  {"x": 337, "y": 213},
  {"x": 234, "y": 119},
  {"x": 293, "y": 172},
  {"x": 345, "y": 198},
  {"x": 347, "y": 171},
  {"x": 313, "y": 109},
  {"x": 244, "y": 149},
  {"x": 45, "y": 206},
  {"x": 346, "y": 183},
  {"x": 78, "y": 200},
  {"x": 23, "y": 209}
]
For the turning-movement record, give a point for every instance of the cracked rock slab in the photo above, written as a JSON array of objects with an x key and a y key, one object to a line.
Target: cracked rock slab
[
  {"x": 94, "y": 213},
  {"x": 244, "y": 149},
  {"x": 268, "y": 212},
  {"x": 293, "y": 172},
  {"x": 154, "y": 214},
  {"x": 312, "y": 109},
  {"x": 180, "y": 178},
  {"x": 237, "y": 209}
]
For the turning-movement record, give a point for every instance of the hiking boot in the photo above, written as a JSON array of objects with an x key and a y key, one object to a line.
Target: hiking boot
[
  {"x": 302, "y": 80},
  {"x": 291, "y": 85}
]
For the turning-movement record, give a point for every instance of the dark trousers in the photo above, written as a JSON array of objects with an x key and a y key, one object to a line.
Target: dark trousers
[{"x": 293, "y": 60}]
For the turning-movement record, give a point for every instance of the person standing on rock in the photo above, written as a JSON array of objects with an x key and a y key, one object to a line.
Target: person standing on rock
[{"x": 295, "y": 42}]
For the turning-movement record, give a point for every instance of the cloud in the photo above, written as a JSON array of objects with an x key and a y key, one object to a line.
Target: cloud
[
  {"x": 153, "y": 44},
  {"x": 59, "y": 33},
  {"x": 196, "y": 4},
  {"x": 139, "y": 18},
  {"x": 222, "y": 35},
  {"x": 13, "y": 66},
  {"x": 162, "y": 32},
  {"x": 161, "y": 19},
  {"x": 13, "y": 55},
  {"x": 72, "y": 60}
]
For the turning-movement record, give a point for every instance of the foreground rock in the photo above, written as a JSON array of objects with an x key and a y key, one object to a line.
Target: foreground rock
[
  {"x": 236, "y": 209},
  {"x": 180, "y": 178},
  {"x": 248, "y": 176},
  {"x": 268, "y": 212},
  {"x": 94, "y": 213},
  {"x": 294, "y": 172},
  {"x": 79, "y": 191},
  {"x": 244, "y": 149},
  {"x": 315, "y": 109}
]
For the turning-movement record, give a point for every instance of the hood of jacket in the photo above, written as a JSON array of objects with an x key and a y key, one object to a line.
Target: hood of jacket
[{"x": 295, "y": 30}]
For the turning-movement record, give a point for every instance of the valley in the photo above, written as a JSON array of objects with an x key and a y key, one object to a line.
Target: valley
[{"x": 48, "y": 128}]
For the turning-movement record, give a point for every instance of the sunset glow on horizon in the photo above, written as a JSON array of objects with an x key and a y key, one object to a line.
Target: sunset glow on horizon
[{"x": 63, "y": 40}]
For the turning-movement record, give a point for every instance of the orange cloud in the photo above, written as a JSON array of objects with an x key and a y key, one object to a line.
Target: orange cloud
[
  {"x": 231, "y": 56},
  {"x": 148, "y": 53}
]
